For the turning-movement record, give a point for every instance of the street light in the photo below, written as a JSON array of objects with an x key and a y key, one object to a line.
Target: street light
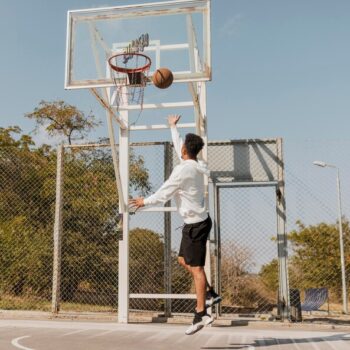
[{"x": 341, "y": 238}]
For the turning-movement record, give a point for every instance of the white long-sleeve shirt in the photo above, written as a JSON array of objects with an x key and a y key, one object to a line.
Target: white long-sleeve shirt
[{"x": 186, "y": 185}]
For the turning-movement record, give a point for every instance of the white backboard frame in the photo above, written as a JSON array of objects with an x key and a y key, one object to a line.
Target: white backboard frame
[{"x": 198, "y": 72}]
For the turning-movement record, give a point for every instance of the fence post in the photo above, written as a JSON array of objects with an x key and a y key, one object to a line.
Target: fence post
[
  {"x": 283, "y": 293},
  {"x": 57, "y": 235},
  {"x": 217, "y": 240},
  {"x": 168, "y": 157}
]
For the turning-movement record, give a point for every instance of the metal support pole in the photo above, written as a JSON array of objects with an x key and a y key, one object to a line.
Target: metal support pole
[
  {"x": 201, "y": 129},
  {"x": 168, "y": 156},
  {"x": 217, "y": 242},
  {"x": 57, "y": 238},
  {"x": 112, "y": 142},
  {"x": 341, "y": 236},
  {"x": 283, "y": 293},
  {"x": 341, "y": 244},
  {"x": 123, "y": 277}
]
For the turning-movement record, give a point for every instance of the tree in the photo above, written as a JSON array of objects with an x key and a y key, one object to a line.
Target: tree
[
  {"x": 147, "y": 270},
  {"x": 241, "y": 286},
  {"x": 7, "y": 139},
  {"x": 60, "y": 118},
  {"x": 269, "y": 275},
  {"x": 90, "y": 212},
  {"x": 25, "y": 217},
  {"x": 236, "y": 267},
  {"x": 146, "y": 261},
  {"x": 315, "y": 258}
]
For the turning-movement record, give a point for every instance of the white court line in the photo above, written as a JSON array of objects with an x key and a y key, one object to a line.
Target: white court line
[
  {"x": 100, "y": 334},
  {"x": 75, "y": 332},
  {"x": 15, "y": 343}
]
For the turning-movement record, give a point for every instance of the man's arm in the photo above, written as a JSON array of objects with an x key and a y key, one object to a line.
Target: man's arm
[
  {"x": 177, "y": 141},
  {"x": 165, "y": 192}
]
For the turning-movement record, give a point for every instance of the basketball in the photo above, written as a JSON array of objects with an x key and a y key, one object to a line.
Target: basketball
[{"x": 162, "y": 78}]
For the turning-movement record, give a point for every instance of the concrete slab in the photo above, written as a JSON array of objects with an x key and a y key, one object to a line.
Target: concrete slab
[{"x": 58, "y": 335}]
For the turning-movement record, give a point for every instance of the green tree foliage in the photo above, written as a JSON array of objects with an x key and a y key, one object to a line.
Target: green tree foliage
[
  {"x": 315, "y": 258},
  {"x": 25, "y": 257},
  {"x": 25, "y": 218},
  {"x": 60, "y": 118},
  {"x": 147, "y": 270},
  {"x": 269, "y": 275},
  {"x": 146, "y": 261},
  {"x": 90, "y": 240},
  {"x": 90, "y": 212}
]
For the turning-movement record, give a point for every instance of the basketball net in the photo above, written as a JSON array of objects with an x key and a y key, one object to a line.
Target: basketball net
[{"x": 129, "y": 72}]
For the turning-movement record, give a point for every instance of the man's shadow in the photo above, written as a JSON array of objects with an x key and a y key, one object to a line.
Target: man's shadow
[{"x": 260, "y": 342}]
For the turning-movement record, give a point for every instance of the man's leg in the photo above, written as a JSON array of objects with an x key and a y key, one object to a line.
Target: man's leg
[
  {"x": 212, "y": 297},
  {"x": 182, "y": 262},
  {"x": 201, "y": 317},
  {"x": 200, "y": 281}
]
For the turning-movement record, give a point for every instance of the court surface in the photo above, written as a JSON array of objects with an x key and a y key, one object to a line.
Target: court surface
[{"x": 66, "y": 335}]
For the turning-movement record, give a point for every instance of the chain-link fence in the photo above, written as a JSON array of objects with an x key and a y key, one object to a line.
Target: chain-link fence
[
  {"x": 248, "y": 275},
  {"x": 315, "y": 264},
  {"x": 248, "y": 242},
  {"x": 27, "y": 200},
  {"x": 89, "y": 254},
  {"x": 250, "y": 216}
]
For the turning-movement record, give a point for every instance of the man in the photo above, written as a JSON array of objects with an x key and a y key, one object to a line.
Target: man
[{"x": 186, "y": 185}]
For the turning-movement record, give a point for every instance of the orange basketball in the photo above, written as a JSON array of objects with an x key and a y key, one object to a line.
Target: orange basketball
[{"x": 162, "y": 78}]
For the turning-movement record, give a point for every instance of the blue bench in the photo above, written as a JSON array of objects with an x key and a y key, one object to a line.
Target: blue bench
[{"x": 314, "y": 299}]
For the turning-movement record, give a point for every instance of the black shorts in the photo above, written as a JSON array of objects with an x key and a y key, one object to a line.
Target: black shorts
[{"x": 194, "y": 242}]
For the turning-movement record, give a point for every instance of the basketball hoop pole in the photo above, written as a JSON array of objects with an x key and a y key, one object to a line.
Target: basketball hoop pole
[
  {"x": 123, "y": 267},
  {"x": 121, "y": 169},
  {"x": 122, "y": 203},
  {"x": 109, "y": 109}
]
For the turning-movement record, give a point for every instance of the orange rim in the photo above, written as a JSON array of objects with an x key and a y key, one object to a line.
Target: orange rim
[{"x": 130, "y": 70}]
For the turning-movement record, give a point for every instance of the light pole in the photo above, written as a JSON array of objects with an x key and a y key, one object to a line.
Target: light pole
[{"x": 341, "y": 237}]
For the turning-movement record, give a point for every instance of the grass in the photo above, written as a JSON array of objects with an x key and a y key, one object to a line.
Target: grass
[{"x": 9, "y": 302}]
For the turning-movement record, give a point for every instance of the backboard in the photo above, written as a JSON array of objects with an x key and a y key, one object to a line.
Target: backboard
[{"x": 178, "y": 34}]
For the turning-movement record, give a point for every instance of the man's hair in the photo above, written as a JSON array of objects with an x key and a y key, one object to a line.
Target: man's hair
[{"x": 193, "y": 144}]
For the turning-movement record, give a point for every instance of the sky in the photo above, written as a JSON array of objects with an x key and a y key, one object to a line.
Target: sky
[{"x": 280, "y": 68}]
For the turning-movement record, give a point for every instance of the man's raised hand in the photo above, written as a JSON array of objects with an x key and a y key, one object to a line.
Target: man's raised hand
[{"x": 173, "y": 119}]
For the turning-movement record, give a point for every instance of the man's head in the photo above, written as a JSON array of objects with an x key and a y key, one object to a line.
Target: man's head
[{"x": 192, "y": 146}]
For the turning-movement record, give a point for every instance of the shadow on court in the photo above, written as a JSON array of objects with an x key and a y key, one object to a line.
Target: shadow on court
[{"x": 270, "y": 342}]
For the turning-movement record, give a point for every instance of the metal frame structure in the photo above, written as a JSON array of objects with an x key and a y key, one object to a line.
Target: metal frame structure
[
  {"x": 104, "y": 90},
  {"x": 262, "y": 165},
  {"x": 199, "y": 94},
  {"x": 277, "y": 181}
]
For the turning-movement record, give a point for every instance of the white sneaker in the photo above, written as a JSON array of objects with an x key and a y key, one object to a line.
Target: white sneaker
[{"x": 199, "y": 321}]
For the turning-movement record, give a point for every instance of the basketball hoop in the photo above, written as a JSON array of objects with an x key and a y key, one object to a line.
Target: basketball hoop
[{"x": 129, "y": 72}]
